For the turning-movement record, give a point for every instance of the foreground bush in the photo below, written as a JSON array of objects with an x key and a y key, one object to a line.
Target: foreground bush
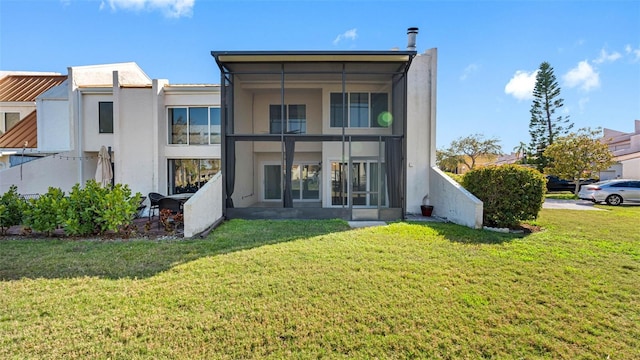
[
  {"x": 87, "y": 210},
  {"x": 510, "y": 193},
  {"x": 42, "y": 214}
]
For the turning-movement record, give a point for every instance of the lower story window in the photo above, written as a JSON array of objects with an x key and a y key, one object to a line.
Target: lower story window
[
  {"x": 305, "y": 182},
  {"x": 368, "y": 184},
  {"x": 189, "y": 175}
]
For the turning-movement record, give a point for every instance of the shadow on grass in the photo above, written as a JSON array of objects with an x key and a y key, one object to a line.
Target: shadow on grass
[
  {"x": 64, "y": 258},
  {"x": 466, "y": 235}
]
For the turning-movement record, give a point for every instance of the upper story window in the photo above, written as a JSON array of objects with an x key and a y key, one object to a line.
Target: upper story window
[
  {"x": 105, "y": 117},
  {"x": 364, "y": 110},
  {"x": 9, "y": 120},
  {"x": 295, "y": 117},
  {"x": 194, "y": 125}
]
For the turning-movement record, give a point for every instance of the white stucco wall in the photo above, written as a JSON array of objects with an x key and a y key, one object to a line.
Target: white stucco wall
[
  {"x": 133, "y": 138},
  {"x": 38, "y": 175},
  {"x": 452, "y": 202},
  {"x": 54, "y": 130},
  {"x": 631, "y": 168},
  {"x": 420, "y": 136},
  {"x": 204, "y": 208}
]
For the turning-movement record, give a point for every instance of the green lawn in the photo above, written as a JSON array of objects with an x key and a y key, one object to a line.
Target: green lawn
[{"x": 311, "y": 289}]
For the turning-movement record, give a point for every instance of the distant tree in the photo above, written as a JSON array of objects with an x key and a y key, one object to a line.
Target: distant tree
[
  {"x": 521, "y": 151},
  {"x": 545, "y": 125},
  {"x": 472, "y": 147},
  {"x": 578, "y": 155},
  {"x": 446, "y": 160}
]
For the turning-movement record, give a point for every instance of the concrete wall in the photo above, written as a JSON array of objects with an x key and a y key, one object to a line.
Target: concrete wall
[
  {"x": 452, "y": 202},
  {"x": 54, "y": 130},
  {"x": 421, "y": 122},
  {"x": 204, "y": 208},
  {"x": 38, "y": 175}
]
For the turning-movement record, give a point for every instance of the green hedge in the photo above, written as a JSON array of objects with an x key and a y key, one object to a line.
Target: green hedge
[
  {"x": 87, "y": 210},
  {"x": 510, "y": 193}
]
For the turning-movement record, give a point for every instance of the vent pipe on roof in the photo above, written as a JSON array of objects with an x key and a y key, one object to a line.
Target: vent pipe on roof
[{"x": 411, "y": 38}]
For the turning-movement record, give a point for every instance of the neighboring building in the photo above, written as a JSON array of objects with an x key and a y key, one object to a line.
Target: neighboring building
[
  {"x": 347, "y": 134},
  {"x": 18, "y": 92},
  {"x": 626, "y": 151}
]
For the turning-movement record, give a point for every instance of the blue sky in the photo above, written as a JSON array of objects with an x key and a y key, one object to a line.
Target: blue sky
[{"x": 488, "y": 51}]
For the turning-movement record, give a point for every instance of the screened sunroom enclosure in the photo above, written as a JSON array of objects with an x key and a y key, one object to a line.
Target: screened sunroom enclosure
[{"x": 314, "y": 134}]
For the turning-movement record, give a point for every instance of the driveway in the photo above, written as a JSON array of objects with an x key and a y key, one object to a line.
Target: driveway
[{"x": 568, "y": 204}]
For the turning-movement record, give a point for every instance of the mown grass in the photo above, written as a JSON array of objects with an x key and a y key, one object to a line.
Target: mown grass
[{"x": 302, "y": 289}]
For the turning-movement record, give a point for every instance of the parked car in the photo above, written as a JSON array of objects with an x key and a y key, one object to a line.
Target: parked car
[
  {"x": 613, "y": 192},
  {"x": 554, "y": 183}
]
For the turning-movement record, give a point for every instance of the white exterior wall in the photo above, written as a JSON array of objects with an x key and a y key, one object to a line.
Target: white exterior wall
[
  {"x": 133, "y": 138},
  {"x": 421, "y": 121},
  {"x": 449, "y": 199},
  {"x": 54, "y": 131},
  {"x": 631, "y": 168},
  {"x": 204, "y": 208},
  {"x": 38, "y": 175},
  {"x": 453, "y": 202}
]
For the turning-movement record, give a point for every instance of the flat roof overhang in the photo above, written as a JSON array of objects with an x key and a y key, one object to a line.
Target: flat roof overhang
[{"x": 227, "y": 59}]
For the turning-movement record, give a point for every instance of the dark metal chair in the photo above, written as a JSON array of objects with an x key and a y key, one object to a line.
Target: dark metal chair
[
  {"x": 154, "y": 199},
  {"x": 173, "y": 205}
]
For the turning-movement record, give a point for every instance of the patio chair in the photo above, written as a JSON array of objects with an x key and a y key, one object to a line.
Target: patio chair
[{"x": 154, "y": 199}]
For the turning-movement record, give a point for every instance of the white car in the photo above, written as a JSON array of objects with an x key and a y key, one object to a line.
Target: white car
[{"x": 613, "y": 192}]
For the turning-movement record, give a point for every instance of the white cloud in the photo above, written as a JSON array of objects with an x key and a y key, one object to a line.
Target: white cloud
[
  {"x": 635, "y": 53},
  {"x": 170, "y": 8},
  {"x": 521, "y": 85},
  {"x": 468, "y": 71},
  {"x": 582, "y": 76},
  {"x": 351, "y": 34},
  {"x": 582, "y": 103},
  {"x": 606, "y": 57}
]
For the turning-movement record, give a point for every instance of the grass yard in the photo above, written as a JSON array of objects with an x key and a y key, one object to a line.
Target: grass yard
[{"x": 313, "y": 289}]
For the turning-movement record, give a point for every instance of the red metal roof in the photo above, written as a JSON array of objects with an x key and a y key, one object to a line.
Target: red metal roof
[
  {"x": 27, "y": 87},
  {"x": 25, "y": 130}
]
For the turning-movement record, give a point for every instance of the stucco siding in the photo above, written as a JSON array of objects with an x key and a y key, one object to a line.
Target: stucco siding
[
  {"x": 453, "y": 202},
  {"x": 204, "y": 208}
]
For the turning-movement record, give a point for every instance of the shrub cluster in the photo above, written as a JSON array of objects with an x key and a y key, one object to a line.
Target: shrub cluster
[
  {"x": 87, "y": 210},
  {"x": 11, "y": 207},
  {"x": 510, "y": 193}
]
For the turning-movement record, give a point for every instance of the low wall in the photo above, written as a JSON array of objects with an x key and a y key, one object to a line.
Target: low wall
[
  {"x": 453, "y": 202},
  {"x": 204, "y": 208},
  {"x": 35, "y": 177}
]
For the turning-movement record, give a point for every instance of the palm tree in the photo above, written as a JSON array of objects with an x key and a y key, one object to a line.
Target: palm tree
[{"x": 520, "y": 150}]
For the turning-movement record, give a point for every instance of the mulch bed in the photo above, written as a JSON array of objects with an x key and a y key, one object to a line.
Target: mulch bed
[{"x": 142, "y": 228}]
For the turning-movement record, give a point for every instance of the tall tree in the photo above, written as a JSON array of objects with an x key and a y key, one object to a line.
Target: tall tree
[
  {"x": 578, "y": 155},
  {"x": 472, "y": 147},
  {"x": 546, "y": 124}
]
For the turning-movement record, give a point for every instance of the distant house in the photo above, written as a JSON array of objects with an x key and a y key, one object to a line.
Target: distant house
[
  {"x": 18, "y": 129},
  {"x": 626, "y": 151},
  {"x": 348, "y": 134}
]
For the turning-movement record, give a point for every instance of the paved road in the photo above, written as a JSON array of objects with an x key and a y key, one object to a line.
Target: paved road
[{"x": 569, "y": 204}]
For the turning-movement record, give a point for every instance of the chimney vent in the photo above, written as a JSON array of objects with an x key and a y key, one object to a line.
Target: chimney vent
[{"x": 411, "y": 38}]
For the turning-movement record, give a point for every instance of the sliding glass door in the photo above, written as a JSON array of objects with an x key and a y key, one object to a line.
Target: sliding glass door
[
  {"x": 305, "y": 182},
  {"x": 367, "y": 180}
]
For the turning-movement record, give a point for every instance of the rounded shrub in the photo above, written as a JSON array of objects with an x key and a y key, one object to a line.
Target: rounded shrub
[{"x": 510, "y": 193}]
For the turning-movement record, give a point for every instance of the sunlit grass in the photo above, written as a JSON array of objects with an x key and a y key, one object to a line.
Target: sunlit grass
[{"x": 282, "y": 289}]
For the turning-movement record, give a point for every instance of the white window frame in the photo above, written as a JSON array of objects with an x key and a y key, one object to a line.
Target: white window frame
[{"x": 300, "y": 164}]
